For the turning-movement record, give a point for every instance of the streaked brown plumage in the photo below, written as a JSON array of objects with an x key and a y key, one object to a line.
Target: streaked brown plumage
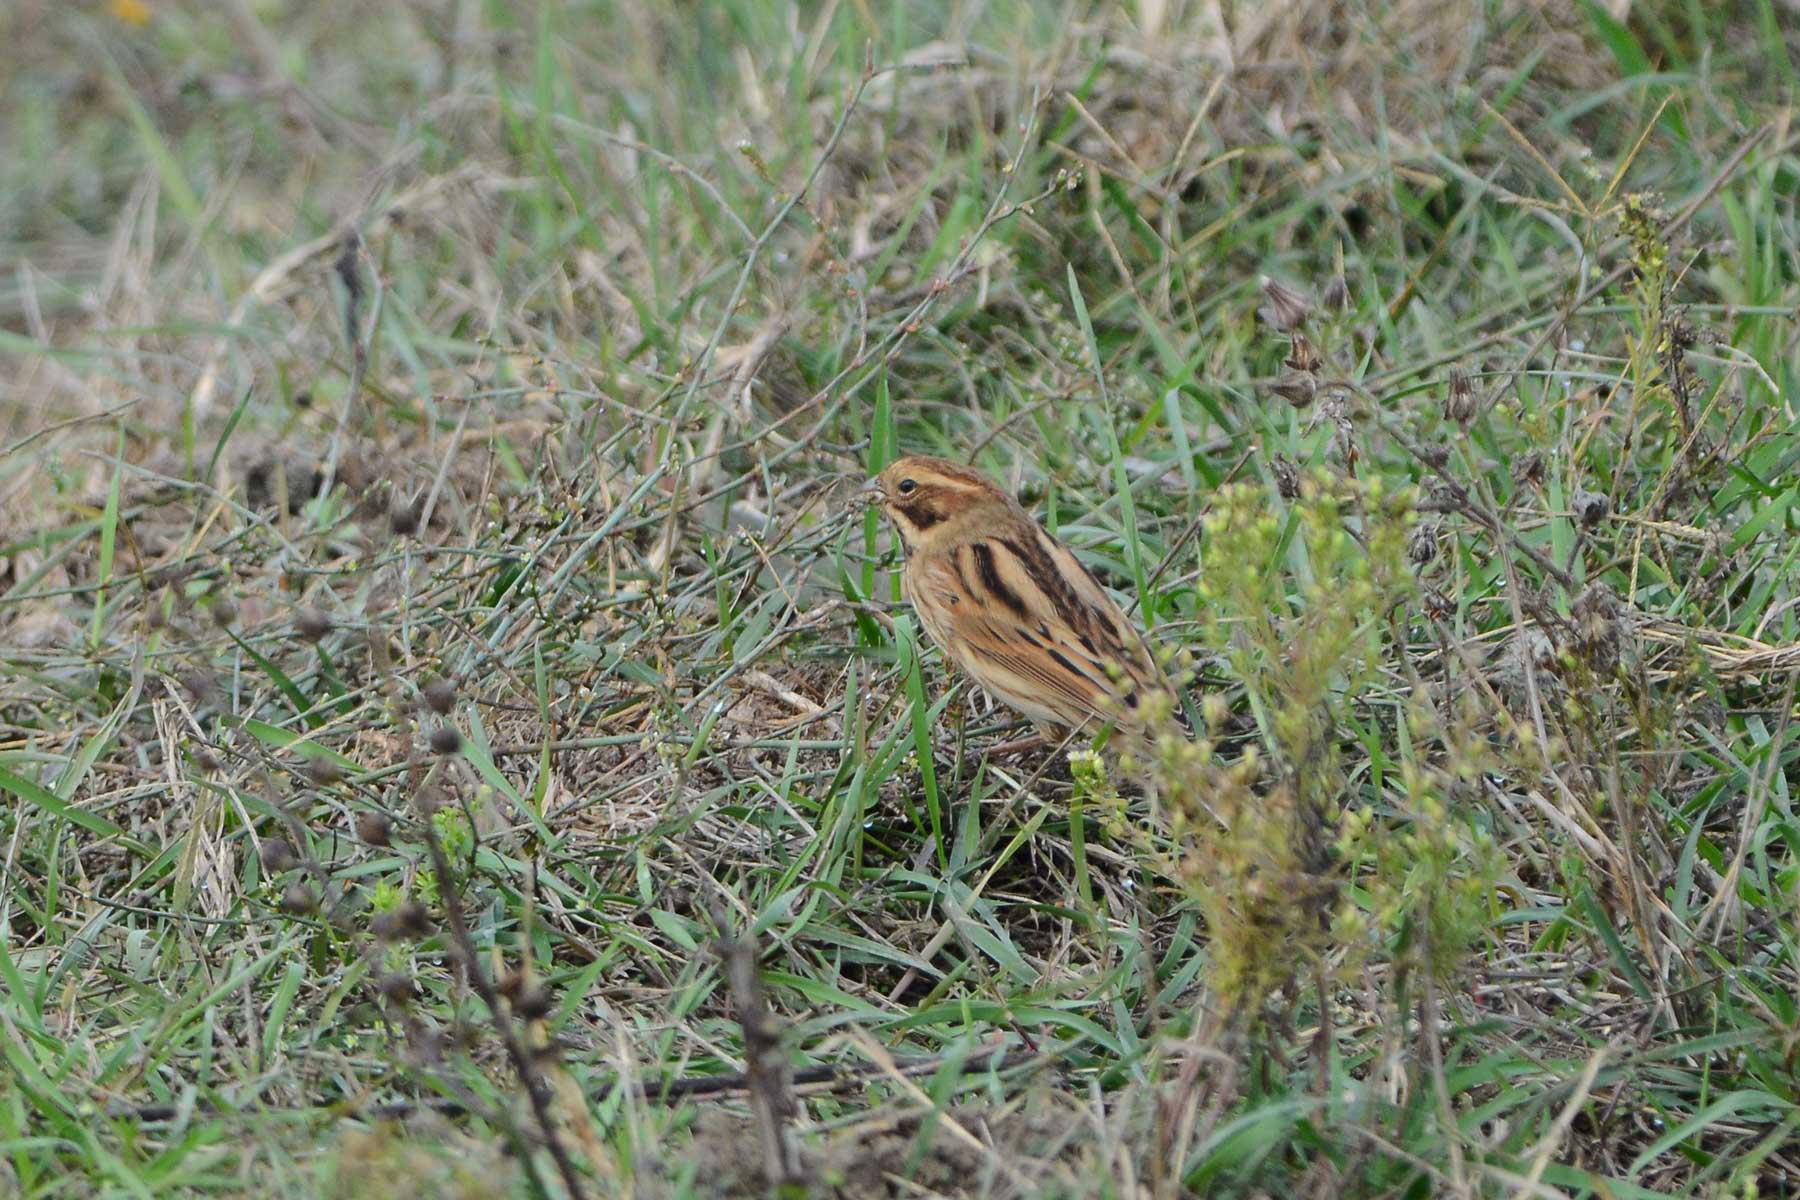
[{"x": 1011, "y": 606}]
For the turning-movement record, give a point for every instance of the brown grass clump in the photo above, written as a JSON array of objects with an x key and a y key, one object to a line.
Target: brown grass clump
[{"x": 454, "y": 735}]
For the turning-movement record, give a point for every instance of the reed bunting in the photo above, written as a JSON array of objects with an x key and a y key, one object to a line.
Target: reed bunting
[{"x": 1014, "y": 609}]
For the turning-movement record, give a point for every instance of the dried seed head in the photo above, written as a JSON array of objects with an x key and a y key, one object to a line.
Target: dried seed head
[
  {"x": 1530, "y": 469},
  {"x": 1301, "y": 355},
  {"x": 1336, "y": 296},
  {"x": 312, "y": 624},
  {"x": 224, "y": 612},
  {"x": 1459, "y": 398},
  {"x": 1422, "y": 545},
  {"x": 415, "y": 921},
  {"x": 1528, "y": 662},
  {"x": 407, "y": 919},
  {"x": 396, "y": 987},
  {"x": 445, "y": 740},
  {"x": 277, "y": 854},
  {"x": 1287, "y": 476},
  {"x": 198, "y": 684},
  {"x": 1591, "y": 508},
  {"x": 1298, "y": 388},
  {"x": 297, "y": 898},
  {"x": 374, "y": 828},
  {"x": 1284, "y": 308},
  {"x": 1440, "y": 496},
  {"x": 1599, "y": 626},
  {"x": 440, "y": 697}
]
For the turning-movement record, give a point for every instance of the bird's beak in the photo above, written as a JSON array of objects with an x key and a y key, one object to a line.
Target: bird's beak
[{"x": 869, "y": 493}]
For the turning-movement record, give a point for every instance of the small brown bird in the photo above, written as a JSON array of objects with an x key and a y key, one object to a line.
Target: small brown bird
[{"x": 1013, "y": 608}]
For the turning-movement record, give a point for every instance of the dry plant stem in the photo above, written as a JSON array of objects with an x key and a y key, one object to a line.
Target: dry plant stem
[
  {"x": 823, "y": 1078},
  {"x": 68, "y": 423},
  {"x": 754, "y": 253},
  {"x": 350, "y": 417},
  {"x": 685, "y": 477},
  {"x": 1599, "y": 286},
  {"x": 883, "y": 1060},
  {"x": 536, "y": 1091},
  {"x": 947, "y": 929},
  {"x": 1726, "y": 899},
  {"x": 1552, "y": 1141},
  {"x": 1430, "y": 1035},
  {"x": 1475, "y": 509},
  {"x": 889, "y": 347},
  {"x": 767, "y": 1072},
  {"x": 1178, "y": 1113}
]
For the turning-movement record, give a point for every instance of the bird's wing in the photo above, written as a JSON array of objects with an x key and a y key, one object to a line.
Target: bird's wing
[{"x": 1034, "y": 628}]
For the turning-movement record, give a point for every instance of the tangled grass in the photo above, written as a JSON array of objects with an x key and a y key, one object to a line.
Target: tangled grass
[{"x": 456, "y": 740}]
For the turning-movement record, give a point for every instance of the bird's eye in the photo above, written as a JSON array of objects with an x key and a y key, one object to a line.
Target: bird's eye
[{"x": 908, "y": 486}]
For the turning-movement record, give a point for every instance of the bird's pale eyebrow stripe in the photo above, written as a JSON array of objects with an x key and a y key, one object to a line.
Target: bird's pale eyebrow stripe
[{"x": 989, "y": 571}]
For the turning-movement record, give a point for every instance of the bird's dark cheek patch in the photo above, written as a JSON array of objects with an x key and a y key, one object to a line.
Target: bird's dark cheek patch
[{"x": 924, "y": 516}]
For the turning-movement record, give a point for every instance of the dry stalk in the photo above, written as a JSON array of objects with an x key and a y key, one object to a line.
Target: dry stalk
[
  {"x": 537, "y": 1090},
  {"x": 766, "y": 1068}
]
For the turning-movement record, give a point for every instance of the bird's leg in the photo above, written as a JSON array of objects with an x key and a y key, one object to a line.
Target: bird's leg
[
  {"x": 1017, "y": 746},
  {"x": 1046, "y": 735}
]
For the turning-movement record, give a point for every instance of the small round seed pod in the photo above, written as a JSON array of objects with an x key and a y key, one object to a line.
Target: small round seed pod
[
  {"x": 407, "y": 919},
  {"x": 1336, "y": 295},
  {"x": 445, "y": 740},
  {"x": 199, "y": 685},
  {"x": 297, "y": 898},
  {"x": 277, "y": 854},
  {"x": 322, "y": 771},
  {"x": 1298, "y": 388},
  {"x": 374, "y": 828},
  {"x": 440, "y": 696},
  {"x": 312, "y": 624}
]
